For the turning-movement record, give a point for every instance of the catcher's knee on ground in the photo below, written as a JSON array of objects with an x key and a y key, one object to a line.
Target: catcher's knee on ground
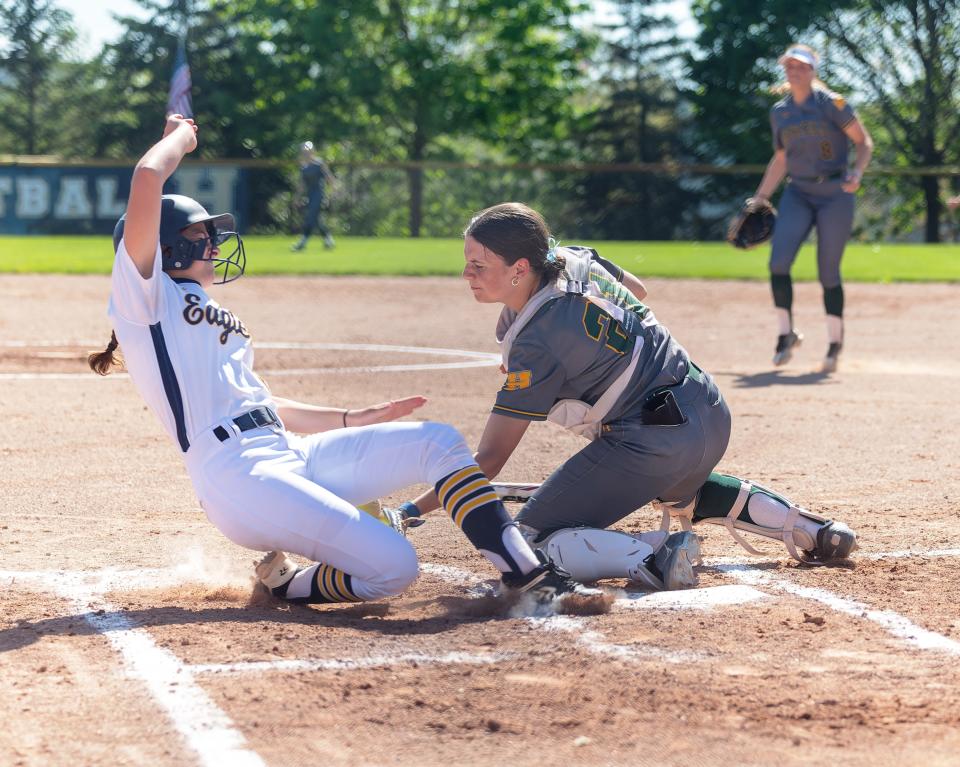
[
  {"x": 591, "y": 554},
  {"x": 653, "y": 560},
  {"x": 741, "y": 505}
]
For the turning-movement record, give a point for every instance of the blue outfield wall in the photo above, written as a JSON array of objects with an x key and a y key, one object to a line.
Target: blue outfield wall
[{"x": 78, "y": 199}]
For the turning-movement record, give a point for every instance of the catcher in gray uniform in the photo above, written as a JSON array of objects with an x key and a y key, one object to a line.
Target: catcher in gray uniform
[
  {"x": 812, "y": 130},
  {"x": 580, "y": 349}
]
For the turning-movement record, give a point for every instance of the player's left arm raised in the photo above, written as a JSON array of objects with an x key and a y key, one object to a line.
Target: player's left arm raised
[
  {"x": 864, "y": 146},
  {"x": 309, "y": 419}
]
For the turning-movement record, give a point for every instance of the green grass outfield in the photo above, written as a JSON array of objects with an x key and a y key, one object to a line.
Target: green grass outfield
[{"x": 394, "y": 256}]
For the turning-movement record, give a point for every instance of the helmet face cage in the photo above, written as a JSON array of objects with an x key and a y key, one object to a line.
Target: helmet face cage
[
  {"x": 185, "y": 251},
  {"x": 233, "y": 265},
  {"x": 177, "y": 212}
]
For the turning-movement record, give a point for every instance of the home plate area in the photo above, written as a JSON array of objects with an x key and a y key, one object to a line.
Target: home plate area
[
  {"x": 625, "y": 633},
  {"x": 195, "y": 648}
]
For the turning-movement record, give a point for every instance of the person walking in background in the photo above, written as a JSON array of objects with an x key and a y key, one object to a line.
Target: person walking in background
[
  {"x": 311, "y": 191},
  {"x": 813, "y": 128}
]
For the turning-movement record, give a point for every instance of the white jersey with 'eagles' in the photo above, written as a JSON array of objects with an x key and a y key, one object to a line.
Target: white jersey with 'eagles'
[{"x": 190, "y": 359}]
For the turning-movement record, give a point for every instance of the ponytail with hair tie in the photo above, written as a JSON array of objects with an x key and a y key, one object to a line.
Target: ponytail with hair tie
[{"x": 101, "y": 362}]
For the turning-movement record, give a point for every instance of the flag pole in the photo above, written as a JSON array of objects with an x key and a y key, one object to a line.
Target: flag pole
[{"x": 179, "y": 100}]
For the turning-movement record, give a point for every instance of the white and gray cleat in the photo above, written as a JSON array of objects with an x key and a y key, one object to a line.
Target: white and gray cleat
[
  {"x": 672, "y": 566},
  {"x": 786, "y": 343},
  {"x": 834, "y": 541}
]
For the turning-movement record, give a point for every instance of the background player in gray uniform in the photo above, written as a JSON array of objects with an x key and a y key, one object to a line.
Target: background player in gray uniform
[
  {"x": 312, "y": 183},
  {"x": 812, "y": 129},
  {"x": 262, "y": 485},
  {"x": 580, "y": 349}
]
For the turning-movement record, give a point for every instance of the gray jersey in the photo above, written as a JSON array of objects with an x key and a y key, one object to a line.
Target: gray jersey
[
  {"x": 573, "y": 349},
  {"x": 812, "y": 133}
]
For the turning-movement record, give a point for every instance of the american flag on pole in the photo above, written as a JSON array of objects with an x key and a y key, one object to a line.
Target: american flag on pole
[{"x": 178, "y": 102}]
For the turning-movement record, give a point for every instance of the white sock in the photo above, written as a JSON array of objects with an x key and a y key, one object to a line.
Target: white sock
[
  {"x": 835, "y": 329},
  {"x": 784, "y": 325},
  {"x": 519, "y": 549},
  {"x": 299, "y": 587}
]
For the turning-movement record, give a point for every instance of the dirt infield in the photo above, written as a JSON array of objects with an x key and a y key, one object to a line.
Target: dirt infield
[{"x": 126, "y": 637}]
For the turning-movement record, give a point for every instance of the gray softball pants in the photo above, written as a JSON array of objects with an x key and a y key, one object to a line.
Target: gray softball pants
[
  {"x": 806, "y": 204},
  {"x": 632, "y": 464}
]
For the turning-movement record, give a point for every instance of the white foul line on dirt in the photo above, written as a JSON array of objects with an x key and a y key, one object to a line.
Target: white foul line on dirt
[
  {"x": 933, "y": 553},
  {"x": 595, "y": 642},
  {"x": 203, "y": 725},
  {"x": 894, "y": 623},
  {"x": 374, "y": 661},
  {"x": 472, "y": 359}
]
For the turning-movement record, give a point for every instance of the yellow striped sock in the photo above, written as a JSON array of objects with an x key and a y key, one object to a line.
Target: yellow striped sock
[
  {"x": 332, "y": 585},
  {"x": 463, "y": 491}
]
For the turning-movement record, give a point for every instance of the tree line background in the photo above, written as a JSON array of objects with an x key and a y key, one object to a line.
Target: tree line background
[{"x": 428, "y": 110}]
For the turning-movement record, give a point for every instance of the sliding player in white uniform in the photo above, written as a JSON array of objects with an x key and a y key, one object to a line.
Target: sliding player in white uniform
[{"x": 263, "y": 486}]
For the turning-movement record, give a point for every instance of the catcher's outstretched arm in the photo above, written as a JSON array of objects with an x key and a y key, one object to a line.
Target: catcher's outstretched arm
[
  {"x": 776, "y": 170},
  {"x": 634, "y": 284}
]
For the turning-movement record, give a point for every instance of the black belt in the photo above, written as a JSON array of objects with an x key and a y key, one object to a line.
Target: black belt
[
  {"x": 820, "y": 179},
  {"x": 252, "y": 419}
]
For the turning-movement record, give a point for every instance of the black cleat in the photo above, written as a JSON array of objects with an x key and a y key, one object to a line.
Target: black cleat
[
  {"x": 544, "y": 583},
  {"x": 785, "y": 346}
]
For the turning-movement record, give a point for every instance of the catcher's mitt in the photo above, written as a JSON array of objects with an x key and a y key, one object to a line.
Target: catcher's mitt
[{"x": 753, "y": 225}]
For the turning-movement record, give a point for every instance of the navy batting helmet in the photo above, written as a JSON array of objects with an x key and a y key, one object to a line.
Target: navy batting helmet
[{"x": 177, "y": 212}]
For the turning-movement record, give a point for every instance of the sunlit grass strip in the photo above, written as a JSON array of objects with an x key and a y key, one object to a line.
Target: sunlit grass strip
[{"x": 383, "y": 256}]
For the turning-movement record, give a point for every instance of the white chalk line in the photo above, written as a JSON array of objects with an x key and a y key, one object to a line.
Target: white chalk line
[
  {"x": 741, "y": 559},
  {"x": 896, "y": 624},
  {"x": 212, "y": 735},
  {"x": 472, "y": 359},
  {"x": 596, "y": 643},
  {"x": 705, "y": 598},
  {"x": 205, "y": 727},
  {"x": 353, "y": 664}
]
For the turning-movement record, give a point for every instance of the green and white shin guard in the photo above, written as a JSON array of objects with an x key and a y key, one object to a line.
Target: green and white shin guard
[{"x": 741, "y": 505}]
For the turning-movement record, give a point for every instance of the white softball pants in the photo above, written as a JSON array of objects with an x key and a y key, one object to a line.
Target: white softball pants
[{"x": 268, "y": 489}]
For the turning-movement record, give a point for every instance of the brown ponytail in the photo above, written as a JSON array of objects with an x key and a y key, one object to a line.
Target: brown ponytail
[{"x": 101, "y": 362}]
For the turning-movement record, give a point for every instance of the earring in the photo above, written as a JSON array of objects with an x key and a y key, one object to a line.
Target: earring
[{"x": 515, "y": 281}]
